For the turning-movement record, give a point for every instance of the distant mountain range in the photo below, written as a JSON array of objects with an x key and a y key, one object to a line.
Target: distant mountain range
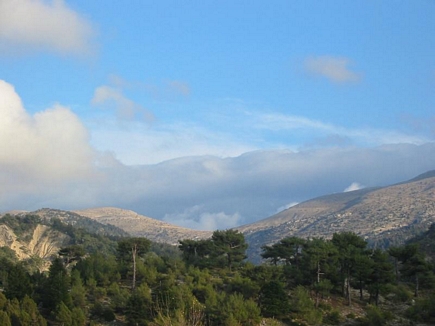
[{"x": 384, "y": 216}]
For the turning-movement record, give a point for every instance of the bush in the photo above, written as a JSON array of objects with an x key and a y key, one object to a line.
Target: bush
[
  {"x": 423, "y": 310},
  {"x": 376, "y": 317},
  {"x": 332, "y": 318},
  {"x": 400, "y": 293}
]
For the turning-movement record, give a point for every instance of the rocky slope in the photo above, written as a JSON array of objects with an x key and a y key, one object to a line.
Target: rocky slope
[
  {"x": 384, "y": 216},
  {"x": 142, "y": 226},
  {"x": 42, "y": 242}
]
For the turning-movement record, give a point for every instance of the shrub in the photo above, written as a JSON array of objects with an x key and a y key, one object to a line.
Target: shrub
[
  {"x": 375, "y": 317},
  {"x": 332, "y": 318}
]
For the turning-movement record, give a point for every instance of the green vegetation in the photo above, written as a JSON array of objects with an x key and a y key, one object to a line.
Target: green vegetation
[{"x": 96, "y": 280}]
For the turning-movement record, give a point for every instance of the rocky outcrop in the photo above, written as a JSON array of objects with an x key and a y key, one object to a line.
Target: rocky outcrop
[{"x": 44, "y": 243}]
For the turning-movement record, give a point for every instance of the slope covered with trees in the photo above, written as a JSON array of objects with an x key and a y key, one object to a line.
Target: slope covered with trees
[{"x": 131, "y": 281}]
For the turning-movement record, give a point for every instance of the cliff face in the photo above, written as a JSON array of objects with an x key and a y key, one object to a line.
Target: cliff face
[{"x": 42, "y": 242}]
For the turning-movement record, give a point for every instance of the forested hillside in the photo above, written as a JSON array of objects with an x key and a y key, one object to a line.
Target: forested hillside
[{"x": 97, "y": 280}]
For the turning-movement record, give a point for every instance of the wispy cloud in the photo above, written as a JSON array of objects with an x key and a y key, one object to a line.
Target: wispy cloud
[
  {"x": 38, "y": 24},
  {"x": 353, "y": 186},
  {"x": 335, "y": 69},
  {"x": 179, "y": 87},
  {"x": 126, "y": 109},
  {"x": 368, "y": 136},
  {"x": 165, "y": 142}
]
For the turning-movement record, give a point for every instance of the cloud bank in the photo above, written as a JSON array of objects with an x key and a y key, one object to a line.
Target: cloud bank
[
  {"x": 38, "y": 24},
  {"x": 46, "y": 160}
]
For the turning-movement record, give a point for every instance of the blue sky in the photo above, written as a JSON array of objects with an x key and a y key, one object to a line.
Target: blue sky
[{"x": 211, "y": 114}]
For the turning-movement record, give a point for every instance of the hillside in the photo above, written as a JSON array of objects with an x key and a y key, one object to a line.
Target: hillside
[
  {"x": 141, "y": 226},
  {"x": 42, "y": 242},
  {"x": 384, "y": 216}
]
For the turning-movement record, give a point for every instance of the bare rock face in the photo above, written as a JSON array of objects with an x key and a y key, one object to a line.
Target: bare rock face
[
  {"x": 43, "y": 242},
  {"x": 46, "y": 242},
  {"x": 142, "y": 226}
]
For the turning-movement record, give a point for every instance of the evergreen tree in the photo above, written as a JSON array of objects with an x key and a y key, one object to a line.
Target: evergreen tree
[
  {"x": 78, "y": 317},
  {"x": 57, "y": 286},
  {"x": 229, "y": 244},
  {"x": 415, "y": 265},
  {"x": 196, "y": 252},
  {"x": 273, "y": 300},
  {"x": 319, "y": 260},
  {"x": 130, "y": 250},
  {"x": 4, "y": 318},
  {"x": 78, "y": 291},
  {"x": 13, "y": 310},
  {"x": 362, "y": 269},
  {"x": 138, "y": 310},
  {"x": 18, "y": 283},
  {"x": 30, "y": 310},
  {"x": 62, "y": 315},
  {"x": 381, "y": 274},
  {"x": 349, "y": 246},
  {"x": 3, "y": 301}
]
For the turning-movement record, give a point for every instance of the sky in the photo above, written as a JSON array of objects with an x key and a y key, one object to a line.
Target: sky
[{"x": 211, "y": 114}]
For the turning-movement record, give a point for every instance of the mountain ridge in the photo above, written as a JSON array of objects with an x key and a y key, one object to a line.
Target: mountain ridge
[
  {"x": 384, "y": 216},
  {"x": 142, "y": 226}
]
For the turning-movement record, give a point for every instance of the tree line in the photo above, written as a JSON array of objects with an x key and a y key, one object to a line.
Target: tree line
[{"x": 209, "y": 282}]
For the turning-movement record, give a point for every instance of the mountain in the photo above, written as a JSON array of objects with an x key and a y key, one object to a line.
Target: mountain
[
  {"x": 142, "y": 226},
  {"x": 37, "y": 238},
  {"x": 426, "y": 242},
  {"x": 78, "y": 221},
  {"x": 43, "y": 242},
  {"x": 383, "y": 216}
]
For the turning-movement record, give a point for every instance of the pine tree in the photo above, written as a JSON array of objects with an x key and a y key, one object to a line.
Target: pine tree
[
  {"x": 349, "y": 246},
  {"x": 229, "y": 244},
  {"x": 4, "y": 318},
  {"x": 57, "y": 286},
  {"x": 133, "y": 248},
  {"x": 274, "y": 301}
]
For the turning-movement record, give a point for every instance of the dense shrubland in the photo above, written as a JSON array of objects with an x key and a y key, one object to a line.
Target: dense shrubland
[{"x": 97, "y": 280}]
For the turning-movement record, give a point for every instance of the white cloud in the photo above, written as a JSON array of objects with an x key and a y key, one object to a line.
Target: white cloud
[
  {"x": 286, "y": 206},
  {"x": 44, "y": 25},
  {"x": 195, "y": 218},
  {"x": 353, "y": 186},
  {"x": 126, "y": 109},
  {"x": 254, "y": 184},
  {"x": 46, "y": 161},
  {"x": 48, "y": 148},
  {"x": 336, "y": 69}
]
